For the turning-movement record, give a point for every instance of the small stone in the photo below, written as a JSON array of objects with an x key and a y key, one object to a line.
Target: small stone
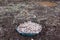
[{"x": 32, "y": 39}]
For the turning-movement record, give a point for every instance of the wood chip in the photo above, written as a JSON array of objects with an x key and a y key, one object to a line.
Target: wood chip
[{"x": 47, "y": 4}]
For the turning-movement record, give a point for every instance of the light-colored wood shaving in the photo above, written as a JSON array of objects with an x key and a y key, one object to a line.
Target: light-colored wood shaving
[
  {"x": 47, "y": 4},
  {"x": 29, "y": 27}
]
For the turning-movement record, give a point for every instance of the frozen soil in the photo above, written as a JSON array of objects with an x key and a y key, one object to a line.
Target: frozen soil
[{"x": 12, "y": 14}]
